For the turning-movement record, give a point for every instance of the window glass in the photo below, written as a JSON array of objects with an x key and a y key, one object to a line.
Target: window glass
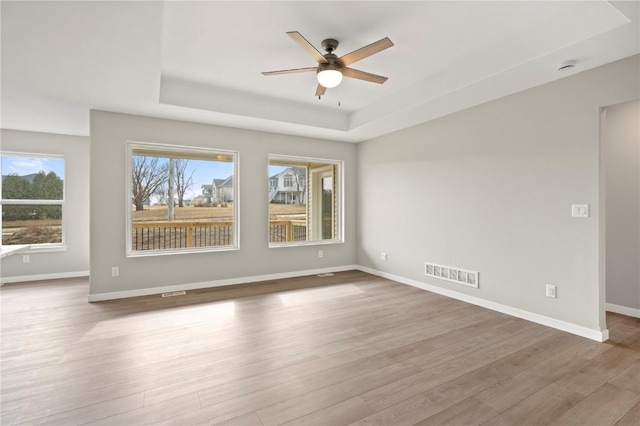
[
  {"x": 202, "y": 186},
  {"x": 304, "y": 201},
  {"x": 32, "y": 199}
]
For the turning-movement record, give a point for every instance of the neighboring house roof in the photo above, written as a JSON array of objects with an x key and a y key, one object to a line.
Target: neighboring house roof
[
  {"x": 223, "y": 182},
  {"x": 209, "y": 187},
  {"x": 300, "y": 170}
]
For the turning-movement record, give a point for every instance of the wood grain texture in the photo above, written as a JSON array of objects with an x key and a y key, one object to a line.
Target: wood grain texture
[{"x": 346, "y": 349}]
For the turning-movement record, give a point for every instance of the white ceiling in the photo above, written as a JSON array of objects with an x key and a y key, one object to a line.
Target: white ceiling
[{"x": 202, "y": 61}]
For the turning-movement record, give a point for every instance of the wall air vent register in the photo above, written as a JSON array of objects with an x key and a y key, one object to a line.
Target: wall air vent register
[{"x": 449, "y": 273}]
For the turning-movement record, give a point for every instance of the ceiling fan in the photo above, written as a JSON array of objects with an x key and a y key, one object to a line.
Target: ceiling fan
[{"x": 331, "y": 69}]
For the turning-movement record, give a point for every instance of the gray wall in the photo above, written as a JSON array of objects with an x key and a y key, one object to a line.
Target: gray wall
[
  {"x": 75, "y": 259},
  {"x": 490, "y": 189},
  {"x": 621, "y": 150},
  {"x": 110, "y": 132}
]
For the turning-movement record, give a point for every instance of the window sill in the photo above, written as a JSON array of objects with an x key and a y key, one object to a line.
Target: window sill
[
  {"x": 149, "y": 253},
  {"x": 44, "y": 249},
  {"x": 30, "y": 249},
  {"x": 305, "y": 243}
]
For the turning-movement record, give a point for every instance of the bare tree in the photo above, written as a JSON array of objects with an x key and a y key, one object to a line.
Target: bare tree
[
  {"x": 183, "y": 183},
  {"x": 300, "y": 182},
  {"x": 162, "y": 193},
  {"x": 147, "y": 175},
  {"x": 172, "y": 191}
]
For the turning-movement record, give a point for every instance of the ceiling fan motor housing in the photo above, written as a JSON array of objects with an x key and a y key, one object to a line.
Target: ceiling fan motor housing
[
  {"x": 330, "y": 44},
  {"x": 329, "y": 66}
]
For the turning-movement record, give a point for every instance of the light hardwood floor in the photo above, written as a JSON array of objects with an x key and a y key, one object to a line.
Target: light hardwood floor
[{"x": 347, "y": 349}]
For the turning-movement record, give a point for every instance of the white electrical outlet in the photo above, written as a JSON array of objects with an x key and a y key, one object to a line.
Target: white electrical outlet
[
  {"x": 579, "y": 210},
  {"x": 383, "y": 256},
  {"x": 551, "y": 291},
  {"x": 320, "y": 253},
  {"x": 115, "y": 271},
  {"x": 26, "y": 258}
]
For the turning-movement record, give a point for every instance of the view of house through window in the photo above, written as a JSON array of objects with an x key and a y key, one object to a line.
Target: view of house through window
[
  {"x": 181, "y": 199},
  {"x": 304, "y": 200},
  {"x": 32, "y": 199}
]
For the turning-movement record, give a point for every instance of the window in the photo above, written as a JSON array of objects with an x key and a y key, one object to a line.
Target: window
[
  {"x": 32, "y": 200},
  {"x": 305, "y": 203},
  {"x": 181, "y": 199}
]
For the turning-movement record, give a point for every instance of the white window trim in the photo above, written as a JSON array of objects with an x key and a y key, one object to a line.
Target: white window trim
[
  {"x": 130, "y": 146},
  {"x": 316, "y": 177},
  {"x": 46, "y": 247},
  {"x": 340, "y": 216}
]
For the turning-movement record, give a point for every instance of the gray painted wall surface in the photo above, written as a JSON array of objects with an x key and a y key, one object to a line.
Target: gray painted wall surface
[
  {"x": 621, "y": 148},
  {"x": 110, "y": 132},
  {"x": 490, "y": 189},
  {"x": 76, "y": 213}
]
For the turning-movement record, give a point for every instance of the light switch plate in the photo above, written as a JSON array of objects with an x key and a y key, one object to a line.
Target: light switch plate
[{"x": 579, "y": 210}]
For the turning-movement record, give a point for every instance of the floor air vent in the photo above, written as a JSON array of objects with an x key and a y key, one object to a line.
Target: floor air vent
[{"x": 449, "y": 273}]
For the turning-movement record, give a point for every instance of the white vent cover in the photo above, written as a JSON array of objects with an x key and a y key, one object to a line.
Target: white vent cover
[{"x": 450, "y": 273}]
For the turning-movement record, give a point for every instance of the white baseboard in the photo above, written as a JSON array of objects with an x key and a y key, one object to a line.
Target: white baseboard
[
  {"x": 623, "y": 310},
  {"x": 597, "y": 335},
  {"x": 218, "y": 283},
  {"x": 41, "y": 277}
]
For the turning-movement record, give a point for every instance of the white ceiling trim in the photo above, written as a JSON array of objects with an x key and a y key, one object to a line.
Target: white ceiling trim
[{"x": 201, "y": 61}]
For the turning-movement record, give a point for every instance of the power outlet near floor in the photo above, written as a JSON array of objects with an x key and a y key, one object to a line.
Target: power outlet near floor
[
  {"x": 551, "y": 291},
  {"x": 115, "y": 271},
  {"x": 26, "y": 258},
  {"x": 383, "y": 256},
  {"x": 320, "y": 253}
]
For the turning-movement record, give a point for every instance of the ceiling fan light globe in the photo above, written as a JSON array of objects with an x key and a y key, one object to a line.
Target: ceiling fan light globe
[{"x": 329, "y": 78}]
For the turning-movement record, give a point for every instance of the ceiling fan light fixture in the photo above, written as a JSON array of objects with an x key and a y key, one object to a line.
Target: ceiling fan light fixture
[{"x": 329, "y": 77}]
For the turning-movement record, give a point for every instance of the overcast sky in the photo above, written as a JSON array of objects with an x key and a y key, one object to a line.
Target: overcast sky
[{"x": 23, "y": 166}]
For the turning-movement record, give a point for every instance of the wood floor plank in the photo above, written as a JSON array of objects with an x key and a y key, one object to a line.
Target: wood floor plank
[
  {"x": 152, "y": 413},
  {"x": 350, "y": 348},
  {"x": 8, "y": 417},
  {"x": 95, "y": 412},
  {"x": 469, "y": 411},
  {"x": 249, "y": 419},
  {"x": 223, "y": 411},
  {"x": 512, "y": 390},
  {"x": 632, "y": 418},
  {"x": 451, "y": 367},
  {"x": 629, "y": 378},
  {"x": 345, "y": 372},
  {"x": 605, "y": 406},
  {"x": 313, "y": 401},
  {"x": 475, "y": 382},
  {"x": 342, "y": 413},
  {"x": 407, "y": 412},
  {"x": 541, "y": 408}
]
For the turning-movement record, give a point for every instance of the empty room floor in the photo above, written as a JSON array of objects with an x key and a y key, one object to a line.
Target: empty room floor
[{"x": 351, "y": 348}]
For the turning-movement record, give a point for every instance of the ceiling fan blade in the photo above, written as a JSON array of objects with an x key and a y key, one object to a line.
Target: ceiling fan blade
[
  {"x": 320, "y": 90},
  {"x": 308, "y": 47},
  {"x": 365, "y": 52},
  {"x": 361, "y": 75},
  {"x": 291, "y": 71}
]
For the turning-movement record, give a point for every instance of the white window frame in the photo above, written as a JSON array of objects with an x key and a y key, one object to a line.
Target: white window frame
[
  {"x": 293, "y": 160},
  {"x": 169, "y": 148},
  {"x": 316, "y": 177},
  {"x": 45, "y": 247}
]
